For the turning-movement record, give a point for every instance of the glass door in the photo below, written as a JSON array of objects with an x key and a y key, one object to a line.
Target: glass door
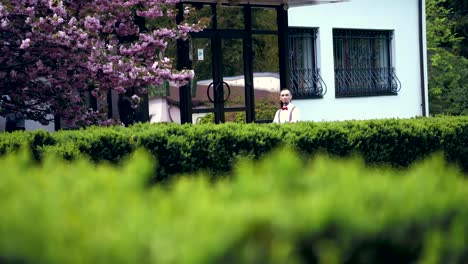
[
  {"x": 240, "y": 63},
  {"x": 218, "y": 89},
  {"x": 233, "y": 88},
  {"x": 202, "y": 91}
]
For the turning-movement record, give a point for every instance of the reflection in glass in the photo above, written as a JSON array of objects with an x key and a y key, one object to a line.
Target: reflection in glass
[
  {"x": 230, "y": 17},
  {"x": 163, "y": 100},
  {"x": 230, "y": 117},
  {"x": 266, "y": 76},
  {"x": 202, "y": 87},
  {"x": 264, "y": 18},
  {"x": 233, "y": 73},
  {"x": 235, "y": 117},
  {"x": 199, "y": 12}
]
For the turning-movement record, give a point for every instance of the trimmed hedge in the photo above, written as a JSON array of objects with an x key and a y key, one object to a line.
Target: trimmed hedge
[
  {"x": 278, "y": 210},
  {"x": 214, "y": 148}
]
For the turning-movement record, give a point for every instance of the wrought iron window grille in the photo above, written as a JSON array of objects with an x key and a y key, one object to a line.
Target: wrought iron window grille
[
  {"x": 363, "y": 63},
  {"x": 305, "y": 79},
  {"x": 307, "y": 83},
  {"x": 366, "y": 82}
]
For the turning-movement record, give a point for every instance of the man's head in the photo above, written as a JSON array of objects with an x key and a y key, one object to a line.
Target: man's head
[{"x": 285, "y": 96}]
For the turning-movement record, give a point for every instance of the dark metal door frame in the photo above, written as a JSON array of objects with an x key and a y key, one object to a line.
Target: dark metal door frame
[
  {"x": 219, "y": 85},
  {"x": 216, "y": 35}
]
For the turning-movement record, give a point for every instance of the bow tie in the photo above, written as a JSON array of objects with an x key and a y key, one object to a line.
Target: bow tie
[{"x": 284, "y": 108}]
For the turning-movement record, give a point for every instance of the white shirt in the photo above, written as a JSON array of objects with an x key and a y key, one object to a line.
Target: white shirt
[{"x": 292, "y": 114}]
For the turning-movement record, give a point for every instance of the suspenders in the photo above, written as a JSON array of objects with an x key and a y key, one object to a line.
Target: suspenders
[{"x": 290, "y": 114}]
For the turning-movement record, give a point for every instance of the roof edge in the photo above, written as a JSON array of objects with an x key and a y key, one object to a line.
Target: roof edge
[{"x": 291, "y": 3}]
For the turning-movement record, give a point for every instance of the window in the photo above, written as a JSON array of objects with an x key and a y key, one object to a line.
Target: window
[
  {"x": 305, "y": 79},
  {"x": 363, "y": 65}
]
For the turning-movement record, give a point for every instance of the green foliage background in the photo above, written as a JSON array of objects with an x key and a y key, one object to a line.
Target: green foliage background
[
  {"x": 447, "y": 50},
  {"x": 283, "y": 209}
]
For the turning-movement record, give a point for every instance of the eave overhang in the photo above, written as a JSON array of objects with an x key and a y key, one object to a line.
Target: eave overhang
[{"x": 290, "y": 3}]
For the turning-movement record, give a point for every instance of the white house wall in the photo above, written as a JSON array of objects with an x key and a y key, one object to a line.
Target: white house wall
[
  {"x": 401, "y": 16},
  {"x": 29, "y": 125}
]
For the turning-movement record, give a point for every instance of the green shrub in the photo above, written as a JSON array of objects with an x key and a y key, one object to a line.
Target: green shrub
[
  {"x": 215, "y": 148},
  {"x": 278, "y": 210}
]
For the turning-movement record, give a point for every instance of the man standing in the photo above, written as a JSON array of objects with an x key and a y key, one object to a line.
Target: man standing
[{"x": 288, "y": 113}]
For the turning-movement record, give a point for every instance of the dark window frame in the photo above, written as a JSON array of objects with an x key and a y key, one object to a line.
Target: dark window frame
[
  {"x": 363, "y": 63},
  {"x": 305, "y": 80}
]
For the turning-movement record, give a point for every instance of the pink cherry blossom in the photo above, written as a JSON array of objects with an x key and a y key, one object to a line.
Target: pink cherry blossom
[
  {"x": 54, "y": 53},
  {"x": 25, "y": 44}
]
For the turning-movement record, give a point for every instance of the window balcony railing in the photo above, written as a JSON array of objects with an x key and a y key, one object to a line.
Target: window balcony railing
[
  {"x": 366, "y": 82},
  {"x": 307, "y": 83}
]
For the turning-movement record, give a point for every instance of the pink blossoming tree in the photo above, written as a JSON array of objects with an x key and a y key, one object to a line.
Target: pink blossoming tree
[{"x": 53, "y": 52}]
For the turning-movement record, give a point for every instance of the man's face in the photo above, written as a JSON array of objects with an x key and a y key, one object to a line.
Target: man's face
[{"x": 285, "y": 96}]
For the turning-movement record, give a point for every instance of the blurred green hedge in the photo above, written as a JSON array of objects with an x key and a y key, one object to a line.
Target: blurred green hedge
[
  {"x": 215, "y": 148},
  {"x": 278, "y": 210}
]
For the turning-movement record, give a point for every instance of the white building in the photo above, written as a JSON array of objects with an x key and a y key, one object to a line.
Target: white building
[
  {"x": 343, "y": 60},
  {"x": 390, "y": 32}
]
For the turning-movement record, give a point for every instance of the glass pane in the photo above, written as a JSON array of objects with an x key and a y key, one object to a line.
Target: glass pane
[
  {"x": 230, "y": 17},
  {"x": 199, "y": 12},
  {"x": 235, "y": 117},
  {"x": 266, "y": 76},
  {"x": 302, "y": 48},
  {"x": 303, "y": 77},
  {"x": 338, "y": 54},
  {"x": 201, "y": 57},
  {"x": 200, "y": 54},
  {"x": 233, "y": 88},
  {"x": 163, "y": 100},
  {"x": 381, "y": 49},
  {"x": 362, "y": 62},
  {"x": 264, "y": 18},
  {"x": 203, "y": 118}
]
